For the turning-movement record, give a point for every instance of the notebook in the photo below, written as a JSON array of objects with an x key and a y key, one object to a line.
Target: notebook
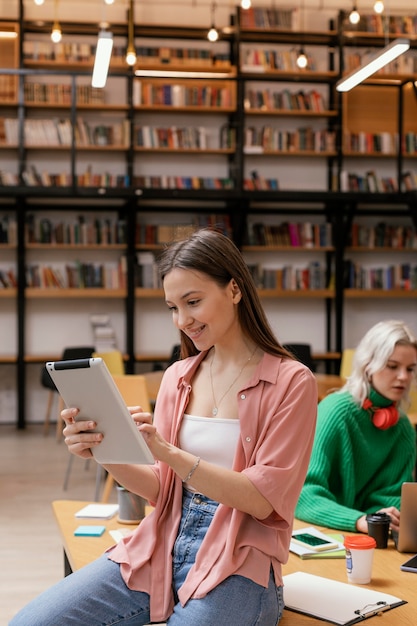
[{"x": 407, "y": 534}]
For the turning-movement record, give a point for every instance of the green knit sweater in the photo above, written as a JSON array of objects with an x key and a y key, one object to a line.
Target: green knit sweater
[{"x": 355, "y": 468}]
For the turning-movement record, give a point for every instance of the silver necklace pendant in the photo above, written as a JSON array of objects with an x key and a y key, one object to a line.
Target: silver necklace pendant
[{"x": 215, "y": 411}]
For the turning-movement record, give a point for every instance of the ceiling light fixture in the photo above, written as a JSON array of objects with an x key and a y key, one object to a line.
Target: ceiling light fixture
[
  {"x": 382, "y": 58},
  {"x": 102, "y": 58},
  {"x": 302, "y": 60},
  {"x": 56, "y": 34},
  {"x": 8, "y": 34},
  {"x": 379, "y": 7},
  {"x": 213, "y": 34},
  {"x": 131, "y": 51},
  {"x": 245, "y": 4},
  {"x": 354, "y": 17},
  {"x": 38, "y": 3}
]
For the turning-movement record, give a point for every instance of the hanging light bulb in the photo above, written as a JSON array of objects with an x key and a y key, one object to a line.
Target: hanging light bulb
[
  {"x": 108, "y": 2},
  {"x": 38, "y": 3},
  {"x": 246, "y": 4},
  {"x": 302, "y": 60},
  {"x": 213, "y": 34},
  {"x": 379, "y": 7},
  {"x": 56, "y": 34},
  {"x": 131, "y": 51},
  {"x": 354, "y": 16}
]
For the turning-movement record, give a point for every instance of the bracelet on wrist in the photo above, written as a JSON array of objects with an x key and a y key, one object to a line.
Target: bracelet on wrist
[{"x": 192, "y": 470}]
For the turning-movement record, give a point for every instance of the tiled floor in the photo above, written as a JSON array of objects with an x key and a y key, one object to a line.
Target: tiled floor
[{"x": 32, "y": 470}]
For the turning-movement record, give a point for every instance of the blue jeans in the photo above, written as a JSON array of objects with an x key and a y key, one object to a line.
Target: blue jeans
[{"x": 96, "y": 595}]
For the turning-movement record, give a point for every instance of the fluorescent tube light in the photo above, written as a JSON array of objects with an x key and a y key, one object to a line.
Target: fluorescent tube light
[
  {"x": 102, "y": 59},
  {"x": 141, "y": 73},
  {"x": 385, "y": 56},
  {"x": 8, "y": 34}
]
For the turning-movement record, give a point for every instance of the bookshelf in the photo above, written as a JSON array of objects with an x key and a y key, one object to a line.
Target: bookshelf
[{"x": 165, "y": 153}]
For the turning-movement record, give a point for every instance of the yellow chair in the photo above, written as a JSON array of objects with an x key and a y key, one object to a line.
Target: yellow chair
[
  {"x": 346, "y": 363},
  {"x": 134, "y": 391},
  {"x": 113, "y": 360}
]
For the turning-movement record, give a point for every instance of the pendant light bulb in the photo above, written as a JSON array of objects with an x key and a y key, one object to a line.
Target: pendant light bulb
[
  {"x": 379, "y": 7},
  {"x": 302, "y": 60},
  {"x": 213, "y": 34},
  {"x": 354, "y": 16},
  {"x": 131, "y": 57},
  {"x": 246, "y": 4},
  {"x": 38, "y": 3},
  {"x": 56, "y": 34}
]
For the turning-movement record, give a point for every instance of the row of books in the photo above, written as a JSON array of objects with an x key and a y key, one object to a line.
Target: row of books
[
  {"x": 93, "y": 134},
  {"x": 104, "y": 336},
  {"x": 409, "y": 181},
  {"x": 399, "y": 276},
  {"x": 181, "y": 182},
  {"x": 256, "y": 182},
  {"x": 59, "y": 132},
  {"x": 146, "y": 271},
  {"x": 164, "y": 233},
  {"x": 289, "y": 278},
  {"x": 77, "y": 275},
  {"x": 269, "y": 139},
  {"x": 286, "y": 100},
  {"x": 8, "y": 230},
  {"x": 181, "y": 95},
  {"x": 80, "y": 231},
  {"x": 267, "y": 18},
  {"x": 370, "y": 182},
  {"x": 187, "y": 137},
  {"x": 32, "y": 177},
  {"x": 53, "y": 93},
  {"x": 383, "y": 235},
  {"x": 8, "y": 278},
  {"x": 65, "y": 51},
  {"x": 366, "y": 143},
  {"x": 385, "y": 23},
  {"x": 164, "y": 55},
  {"x": 290, "y": 234},
  {"x": 8, "y": 89},
  {"x": 260, "y": 60},
  {"x": 409, "y": 145},
  {"x": 405, "y": 64}
]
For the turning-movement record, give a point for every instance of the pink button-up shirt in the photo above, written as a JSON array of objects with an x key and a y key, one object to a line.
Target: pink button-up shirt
[{"x": 277, "y": 414}]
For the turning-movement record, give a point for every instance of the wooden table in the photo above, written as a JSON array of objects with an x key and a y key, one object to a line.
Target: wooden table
[{"x": 387, "y": 576}]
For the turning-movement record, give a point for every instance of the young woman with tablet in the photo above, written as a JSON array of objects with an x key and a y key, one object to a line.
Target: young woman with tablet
[{"x": 231, "y": 437}]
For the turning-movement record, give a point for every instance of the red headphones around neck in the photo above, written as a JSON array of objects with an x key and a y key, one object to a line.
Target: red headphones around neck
[{"x": 382, "y": 418}]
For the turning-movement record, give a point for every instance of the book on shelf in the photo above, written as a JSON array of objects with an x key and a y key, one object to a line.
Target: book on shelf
[{"x": 104, "y": 336}]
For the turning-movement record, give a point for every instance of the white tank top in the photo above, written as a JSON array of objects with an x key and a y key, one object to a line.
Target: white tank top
[{"x": 213, "y": 439}]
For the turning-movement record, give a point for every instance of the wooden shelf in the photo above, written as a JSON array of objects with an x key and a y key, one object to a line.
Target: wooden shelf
[
  {"x": 35, "y": 292},
  {"x": 380, "y": 293}
]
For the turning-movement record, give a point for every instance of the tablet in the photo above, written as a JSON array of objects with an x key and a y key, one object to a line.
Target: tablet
[{"x": 88, "y": 385}]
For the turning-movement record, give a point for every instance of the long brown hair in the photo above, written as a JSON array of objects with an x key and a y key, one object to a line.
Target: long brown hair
[{"x": 215, "y": 255}]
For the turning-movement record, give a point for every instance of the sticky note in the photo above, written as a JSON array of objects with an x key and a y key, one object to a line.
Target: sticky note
[{"x": 89, "y": 531}]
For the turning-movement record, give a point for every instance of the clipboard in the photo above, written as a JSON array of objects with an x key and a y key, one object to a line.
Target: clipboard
[
  {"x": 332, "y": 601},
  {"x": 88, "y": 385}
]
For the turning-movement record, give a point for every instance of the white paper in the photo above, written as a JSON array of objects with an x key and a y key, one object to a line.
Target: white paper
[
  {"x": 331, "y": 600},
  {"x": 100, "y": 511}
]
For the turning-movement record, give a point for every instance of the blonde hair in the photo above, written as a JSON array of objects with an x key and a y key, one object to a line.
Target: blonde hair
[{"x": 372, "y": 354}]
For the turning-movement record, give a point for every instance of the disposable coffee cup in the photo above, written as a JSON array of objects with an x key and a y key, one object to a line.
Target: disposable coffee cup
[
  {"x": 378, "y": 528},
  {"x": 359, "y": 558},
  {"x": 131, "y": 506}
]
